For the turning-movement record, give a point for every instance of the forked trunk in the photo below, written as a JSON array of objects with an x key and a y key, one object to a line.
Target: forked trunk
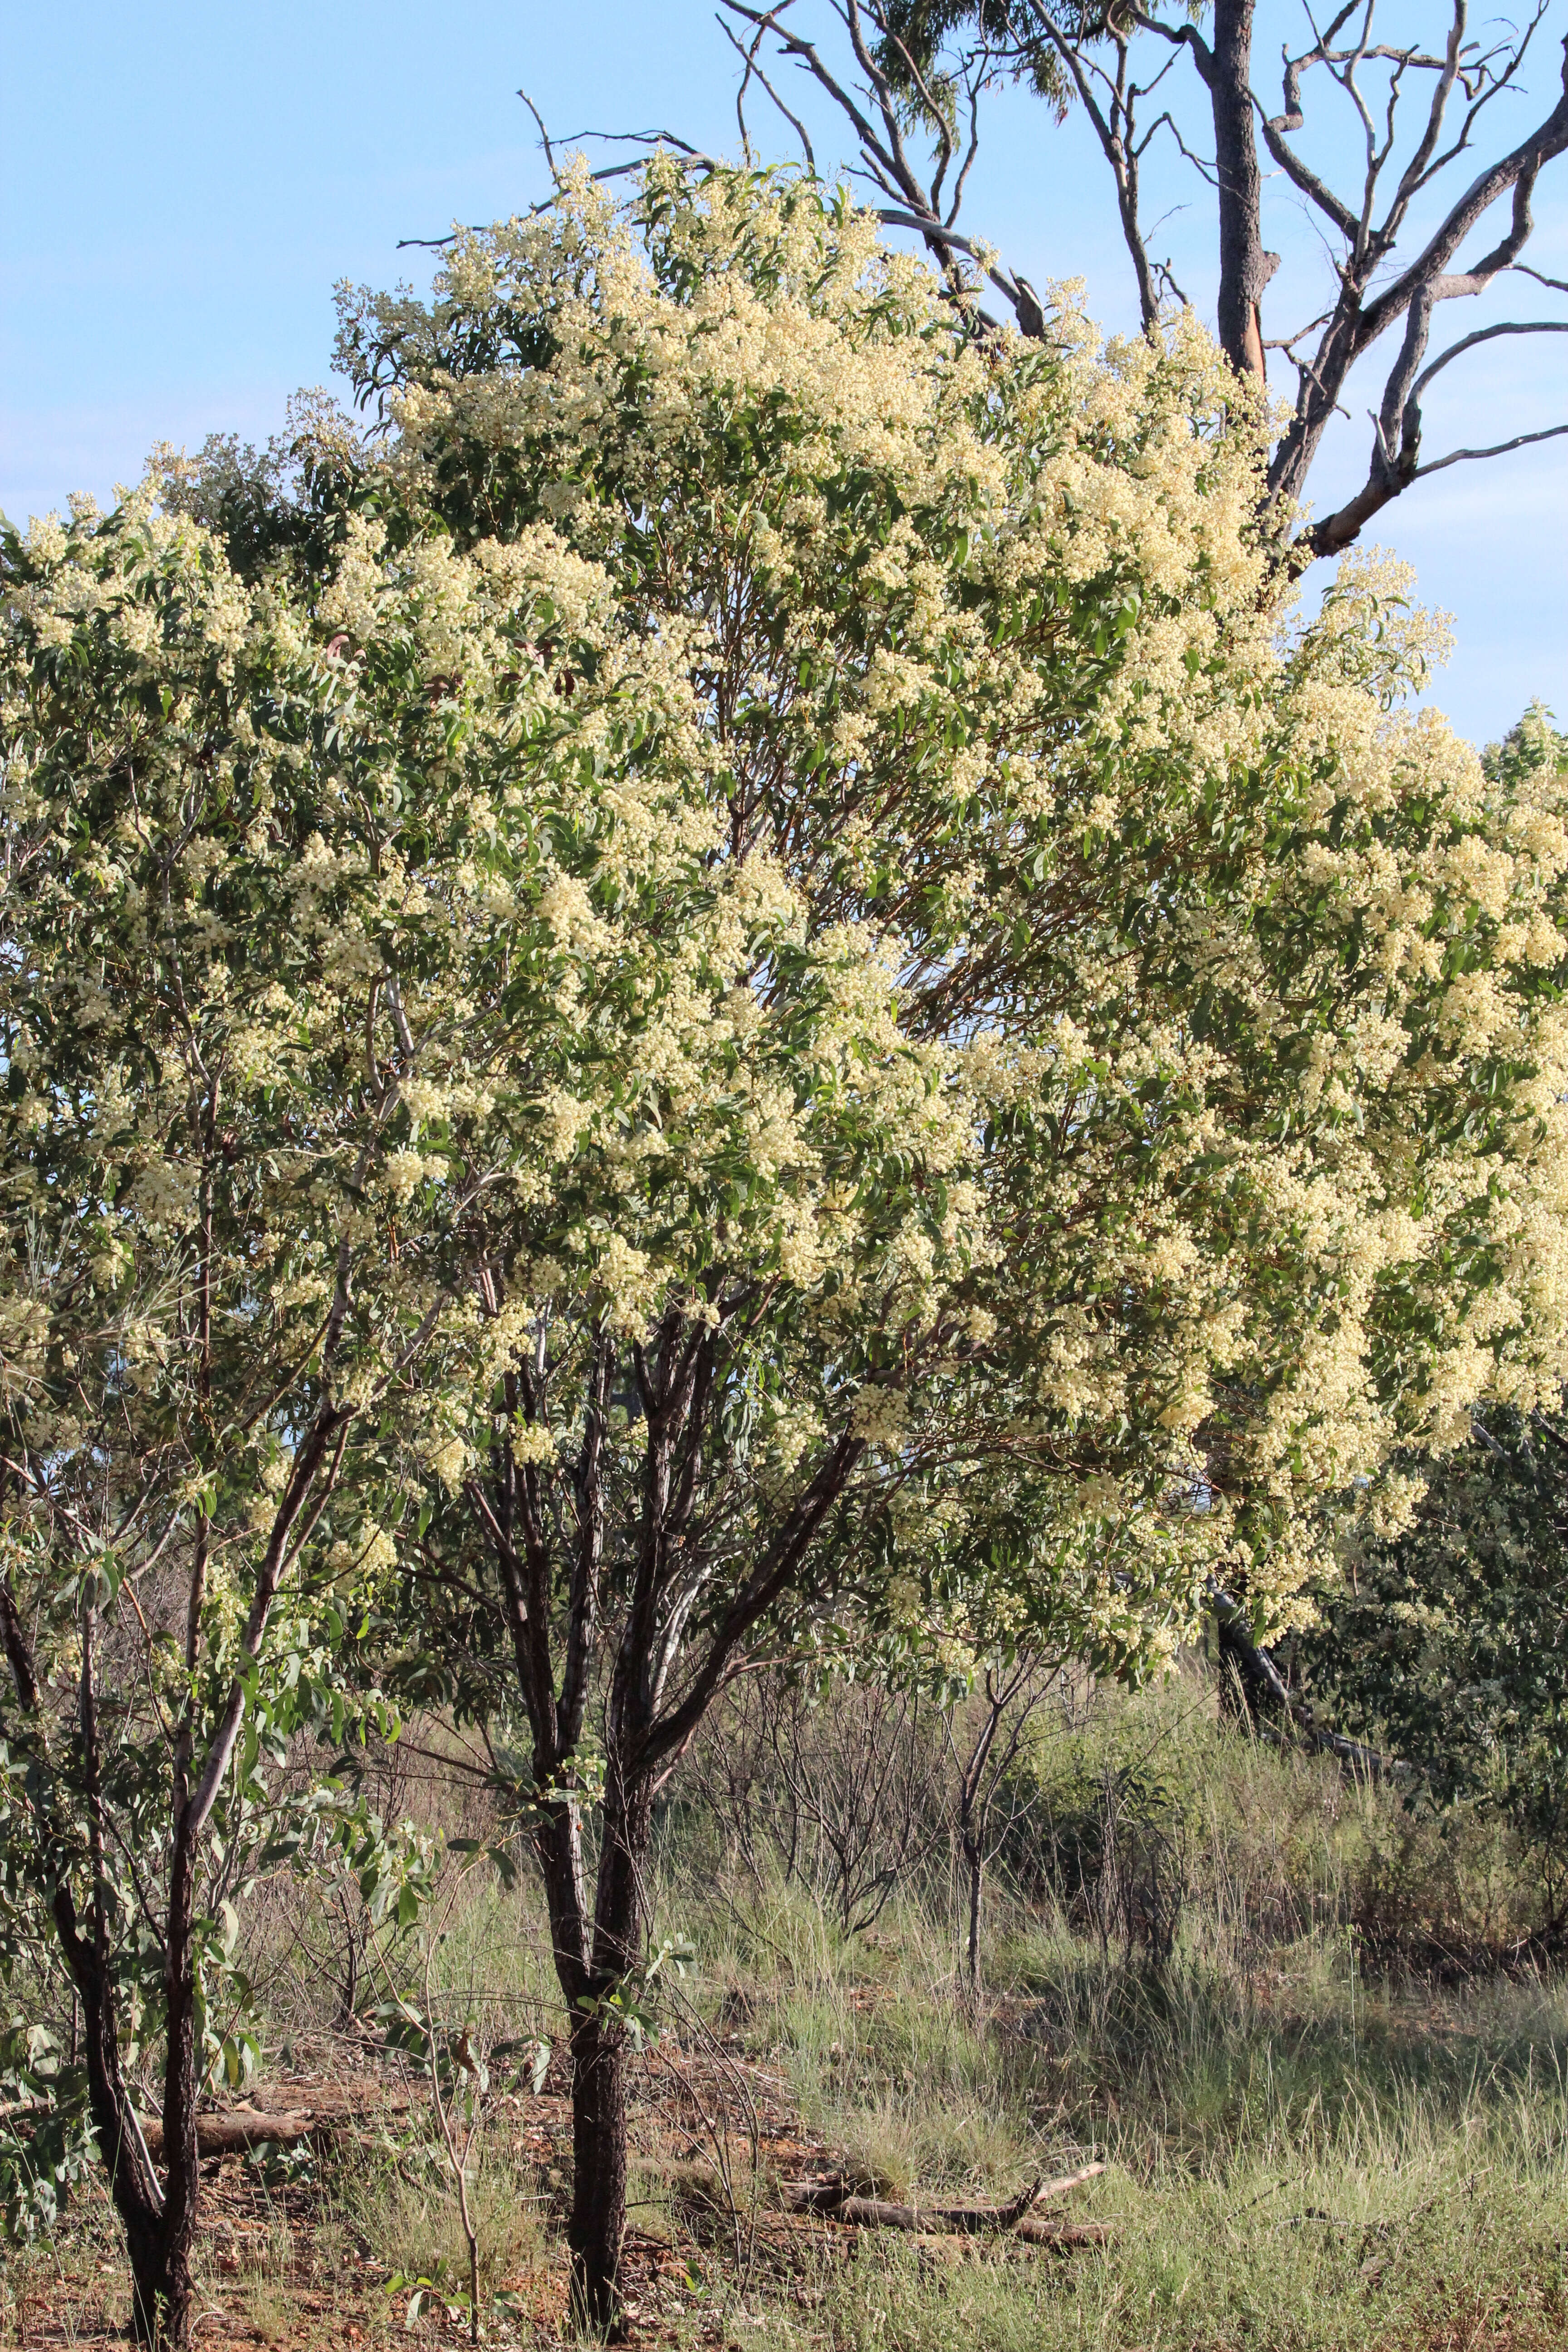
[
  {"x": 161, "y": 2290},
  {"x": 159, "y": 2255},
  {"x": 159, "y": 2219}
]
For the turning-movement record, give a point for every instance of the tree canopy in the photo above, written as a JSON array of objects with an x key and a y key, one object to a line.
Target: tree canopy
[
  {"x": 1389, "y": 141},
  {"x": 744, "y": 982}
]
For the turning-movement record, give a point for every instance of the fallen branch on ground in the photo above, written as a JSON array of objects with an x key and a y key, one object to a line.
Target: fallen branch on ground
[
  {"x": 237, "y": 2129},
  {"x": 834, "y": 2201},
  {"x": 1042, "y": 2231},
  {"x": 230, "y": 2131}
]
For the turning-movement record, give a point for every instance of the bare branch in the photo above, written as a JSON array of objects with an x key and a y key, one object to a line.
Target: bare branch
[
  {"x": 753, "y": 68},
  {"x": 1165, "y": 121},
  {"x": 1519, "y": 171},
  {"x": 748, "y": 60},
  {"x": 1558, "y": 285},
  {"x": 1113, "y": 131},
  {"x": 1485, "y": 335},
  {"x": 1497, "y": 449},
  {"x": 543, "y": 136}
]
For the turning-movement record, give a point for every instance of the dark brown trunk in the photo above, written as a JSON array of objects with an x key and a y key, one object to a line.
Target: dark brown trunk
[
  {"x": 159, "y": 2223},
  {"x": 599, "y": 2171},
  {"x": 132, "y": 2184},
  {"x": 973, "y": 1857},
  {"x": 161, "y": 2290},
  {"x": 181, "y": 2165},
  {"x": 1245, "y": 268},
  {"x": 599, "y": 2063}
]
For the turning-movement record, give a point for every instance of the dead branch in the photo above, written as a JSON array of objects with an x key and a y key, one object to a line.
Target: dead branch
[
  {"x": 1043, "y": 2232},
  {"x": 889, "y": 97},
  {"x": 238, "y": 2129},
  {"x": 836, "y": 2203}
]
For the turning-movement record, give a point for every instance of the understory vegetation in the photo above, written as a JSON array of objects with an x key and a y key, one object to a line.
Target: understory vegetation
[{"x": 1308, "y": 2023}]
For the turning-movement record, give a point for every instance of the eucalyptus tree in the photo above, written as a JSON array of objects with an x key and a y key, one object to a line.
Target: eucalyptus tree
[{"x": 1404, "y": 147}]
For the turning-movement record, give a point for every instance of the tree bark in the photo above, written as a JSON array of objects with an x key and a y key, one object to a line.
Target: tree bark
[
  {"x": 598, "y": 1962},
  {"x": 1245, "y": 268},
  {"x": 133, "y": 2183},
  {"x": 181, "y": 2161},
  {"x": 598, "y": 2219},
  {"x": 158, "y": 2231},
  {"x": 973, "y": 1857}
]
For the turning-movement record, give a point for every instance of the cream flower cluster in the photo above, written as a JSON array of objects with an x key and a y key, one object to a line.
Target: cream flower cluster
[{"x": 782, "y": 822}]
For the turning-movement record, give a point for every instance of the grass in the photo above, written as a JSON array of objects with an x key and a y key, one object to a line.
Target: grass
[
  {"x": 1320, "y": 2129},
  {"x": 1311, "y": 2140},
  {"x": 1314, "y": 2160}
]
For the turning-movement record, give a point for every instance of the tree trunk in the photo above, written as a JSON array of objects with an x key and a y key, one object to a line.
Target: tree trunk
[
  {"x": 599, "y": 2171},
  {"x": 973, "y": 1857},
  {"x": 161, "y": 2288},
  {"x": 182, "y": 2162},
  {"x": 599, "y": 2060},
  {"x": 597, "y": 2038},
  {"x": 159, "y": 2225},
  {"x": 1245, "y": 268},
  {"x": 156, "y": 2293}
]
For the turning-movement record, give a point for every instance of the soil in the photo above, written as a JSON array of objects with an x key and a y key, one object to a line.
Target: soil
[{"x": 277, "y": 2269}]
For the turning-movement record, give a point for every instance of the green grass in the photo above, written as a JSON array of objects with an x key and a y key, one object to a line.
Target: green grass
[
  {"x": 1303, "y": 2150},
  {"x": 1316, "y": 2132},
  {"x": 1312, "y": 2161}
]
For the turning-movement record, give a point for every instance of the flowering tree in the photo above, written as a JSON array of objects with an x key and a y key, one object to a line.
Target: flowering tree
[
  {"x": 752, "y": 994},
  {"x": 1416, "y": 223},
  {"x": 228, "y": 852},
  {"x": 1038, "y": 1072}
]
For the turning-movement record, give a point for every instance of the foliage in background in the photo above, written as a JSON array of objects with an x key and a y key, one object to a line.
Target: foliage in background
[
  {"x": 1449, "y": 1645},
  {"x": 1448, "y": 1642}
]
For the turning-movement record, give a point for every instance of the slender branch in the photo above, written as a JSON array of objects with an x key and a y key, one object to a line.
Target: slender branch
[
  {"x": 1558, "y": 285},
  {"x": 330, "y": 1422},
  {"x": 1485, "y": 335},
  {"x": 762, "y": 1588},
  {"x": 1497, "y": 449},
  {"x": 755, "y": 71},
  {"x": 543, "y": 136}
]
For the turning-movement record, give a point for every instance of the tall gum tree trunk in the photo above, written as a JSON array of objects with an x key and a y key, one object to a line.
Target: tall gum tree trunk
[{"x": 1245, "y": 268}]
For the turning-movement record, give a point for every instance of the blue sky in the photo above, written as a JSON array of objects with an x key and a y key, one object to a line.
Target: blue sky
[{"x": 182, "y": 185}]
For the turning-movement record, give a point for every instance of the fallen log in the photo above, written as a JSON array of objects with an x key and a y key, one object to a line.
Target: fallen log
[
  {"x": 812, "y": 2196},
  {"x": 833, "y": 2199},
  {"x": 229, "y": 2131},
  {"x": 1041, "y": 2229},
  {"x": 948, "y": 2246},
  {"x": 236, "y": 2129}
]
